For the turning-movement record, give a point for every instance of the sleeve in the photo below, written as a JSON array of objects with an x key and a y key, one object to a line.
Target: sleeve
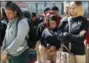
[
  {"x": 3, "y": 39},
  {"x": 43, "y": 39},
  {"x": 79, "y": 38},
  {"x": 52, "y": 40},
  {"x": 2, "y": 31},
  {"x": 40, "y": 28},
  {"x": 38, "y": 32},
  {"x": 23, "y": 28},
  {"x": 3, "y": 45},
  {"x": 75, "y": 38},
  {"x": 60, "y": 30}
]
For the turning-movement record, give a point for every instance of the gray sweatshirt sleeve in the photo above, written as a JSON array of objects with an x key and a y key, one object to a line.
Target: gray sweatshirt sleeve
[
  {"x": 23, "y": 28},
  {"x": 3, "y": 45}
]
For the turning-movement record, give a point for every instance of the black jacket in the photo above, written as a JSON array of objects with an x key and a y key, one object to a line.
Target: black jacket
[
  {"x": 2, "y": 32},
  {"x": 33, "y": 33},
  {"x": 77, "y": 25},
  {"x": 50, "y": 37},
  {"x": 33, "y": 30},
  {"x": 40, "y": 29},
  {"x": 44, "y": 25}
]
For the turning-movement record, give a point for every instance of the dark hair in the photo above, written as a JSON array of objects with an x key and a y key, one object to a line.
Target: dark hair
[
  {"x": 54, "y": 18},
  {"x": 46, "y": 9},
  {"x": 26, "y": 14},
  {"x": 14, "y": 7},
  {"x": 4, "y": 15},
  {"x": 78, "y": 2},
  {"x": 33, "y": 14},
  {"x": 55, "y": 8}
]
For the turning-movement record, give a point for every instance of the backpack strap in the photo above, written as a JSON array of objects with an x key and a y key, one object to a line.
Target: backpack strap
[
  {"x": 29, "y": 23},
  {"x": 17, "y": 26}
]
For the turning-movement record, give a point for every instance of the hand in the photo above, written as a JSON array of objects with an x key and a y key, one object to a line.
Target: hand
[
  {"x": 63, "y": 36},
  {"x": 82, "y": 33},
  {"x": 4, "y": 56},
  {"x": 66, "y": 34}
]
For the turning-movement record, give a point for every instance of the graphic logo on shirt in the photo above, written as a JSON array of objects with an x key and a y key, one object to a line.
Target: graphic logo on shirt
[{"x": 79, "y": 22}]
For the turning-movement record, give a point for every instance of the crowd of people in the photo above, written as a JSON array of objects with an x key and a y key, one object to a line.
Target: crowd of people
[{"x": 50, "y": 38}]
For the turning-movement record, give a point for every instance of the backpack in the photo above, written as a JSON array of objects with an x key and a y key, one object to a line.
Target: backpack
[
  {"x": 28, "y": 38},
  {"x": 32, "y": 39}
]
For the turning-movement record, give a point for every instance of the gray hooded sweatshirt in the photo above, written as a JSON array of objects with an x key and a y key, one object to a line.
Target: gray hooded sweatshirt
[{"x": 14, "y": 42}]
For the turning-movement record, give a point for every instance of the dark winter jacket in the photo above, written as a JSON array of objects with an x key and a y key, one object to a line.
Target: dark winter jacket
[
  {"x": 33, "y": 33},
  {"x": 49, "y": 38},
  {"x": 44, "y": 25},
  {"x": 77, "y": 25}
]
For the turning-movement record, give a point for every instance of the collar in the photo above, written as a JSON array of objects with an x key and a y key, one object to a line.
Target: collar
[{"x": 12, "y": 21}]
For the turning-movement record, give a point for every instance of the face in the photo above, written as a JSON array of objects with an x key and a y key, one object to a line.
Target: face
[
  {"x": 52, "y": 24},
  {"x": 34, "y": 18},
  {"x": 73, "y": 9},
  {"x": 55, "y": 12},
  {"x": 10, "y": 14},
  {"x": 47, "y": 12}
]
